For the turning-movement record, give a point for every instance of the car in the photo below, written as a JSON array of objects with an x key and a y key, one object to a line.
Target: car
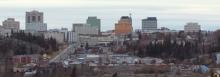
[{"x": 30, "y": 72}]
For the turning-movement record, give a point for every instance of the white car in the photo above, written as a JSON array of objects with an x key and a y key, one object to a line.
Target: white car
[{"x": 30, "y": 73}]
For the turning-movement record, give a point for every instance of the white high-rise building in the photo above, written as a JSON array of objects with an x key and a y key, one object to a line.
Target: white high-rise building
[
  {"x": 149, "y": 24},
  {"x": 192, "y": 27},
  {"x": 81, "y": 28},
  {"x": 11, "y": 24},
  {"x": 35, "y": 21},
  {"x": 71, "y": 37}
]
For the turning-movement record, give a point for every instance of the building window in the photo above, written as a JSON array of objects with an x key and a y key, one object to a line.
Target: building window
[
  {"x": 28, "y": 19},
  {"x": 33, "y": 18},
  {"x": 39, "y": 19}
]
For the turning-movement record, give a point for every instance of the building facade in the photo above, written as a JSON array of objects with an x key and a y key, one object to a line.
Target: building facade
[
  {"x": 94, "y": 22},
  {"x": 192, "y": 27},
  {"x": 95, "y": 39},
  {"x": 72, "y": 37},
  {"x": 58, "y": 36},
  {"x": 5, "y": 32},
  {"x": 149, "y": 25},
  {"x": 81, "y": 28},
  {"x": 35, "y": 21},
  {"x": 124, "y": 26},
  {"x": 69, "y": 36},
  {"x": 84, "y": 39},
  {"x": 65, "y": 31},
  {"x": 25, "y": 59},
  {"x": 10, "y": 23}
]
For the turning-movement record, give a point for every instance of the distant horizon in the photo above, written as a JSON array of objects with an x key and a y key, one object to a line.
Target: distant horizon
[
  {"x": 58, "y": 17},
  {"x": 172, "y": 14}
]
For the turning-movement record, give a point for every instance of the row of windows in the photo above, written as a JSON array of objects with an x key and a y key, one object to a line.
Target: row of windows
[
  {"x": 150, "y": 27},
  {"x": 33, "y": 19}
]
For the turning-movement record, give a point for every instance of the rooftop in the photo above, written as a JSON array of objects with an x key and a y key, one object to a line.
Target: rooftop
[
  {"x": 92, "y": 17},
  {"x": 125, "y": 17},
  {"x": 151, "y": 19}
]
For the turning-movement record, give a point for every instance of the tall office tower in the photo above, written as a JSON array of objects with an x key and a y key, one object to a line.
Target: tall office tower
[
  {"x": 149, "y": 24},
  {"x": 124, "y": 26},
  {"x": 192, "y": 27},
  {"x": 82, "y": 28},
  {"x": 35, "y": 21},
  {"x": 10, "y": 23},
  {"x": 94, "y": 22}
]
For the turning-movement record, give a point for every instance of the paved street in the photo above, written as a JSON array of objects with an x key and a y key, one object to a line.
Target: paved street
[{"x": 64, "y": 54}]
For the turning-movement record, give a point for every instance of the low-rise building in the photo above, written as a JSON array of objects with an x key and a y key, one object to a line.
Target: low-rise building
[
  {"x": 58, "y": 36},
  {"x": 217, "y": 58},
  {"x": 95, "y": 39},
  {"x": 105, "y": 39},
  {"x": 25, "y": 59},
  {"x": 65, "y": 31},
  {"x": 192, "y": 27},
  {"x": 84, "y": 39},
  {"x": 69, "y": 36},
  {"x": 24, "y": 62},
  {"x": 72, "y": 37},
  {"x": 5, "y": 32},
  {"x": 10, "y": 23}
]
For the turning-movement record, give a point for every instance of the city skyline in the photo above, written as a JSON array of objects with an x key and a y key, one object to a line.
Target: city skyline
[
  {"x": 109, "y": 38},
  {"x": 170, "y": 13},
  {"x": 107, "y": 22}
]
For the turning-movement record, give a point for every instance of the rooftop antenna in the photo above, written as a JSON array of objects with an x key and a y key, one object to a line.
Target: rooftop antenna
[{"x": 130, "y": 17}]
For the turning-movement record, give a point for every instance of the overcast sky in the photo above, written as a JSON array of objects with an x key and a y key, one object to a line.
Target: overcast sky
[
  {"x": 186, "y": 4},
  {"x": 171, "y": 13}
]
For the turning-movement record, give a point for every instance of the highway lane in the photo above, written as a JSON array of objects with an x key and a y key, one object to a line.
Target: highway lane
[{"x": 64, "y": 54}]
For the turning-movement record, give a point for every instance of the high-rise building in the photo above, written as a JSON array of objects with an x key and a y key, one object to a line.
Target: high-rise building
[
  {"x": 149, "y": 24},
  {"x": 71, "y": 37},
  {"x": 82, "y": 28},
  {"x": 94, "y": 22},
  {"x": 192, "y": 27},
  {"x": 11, "y": 24},
  {"x": 35, "y": 21},
  {"x": 124, "y": 26}
]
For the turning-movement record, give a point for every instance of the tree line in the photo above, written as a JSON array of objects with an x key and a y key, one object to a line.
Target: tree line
[
  {"x": 20, "y": 43},
  {"x": 175, "y": 46}
]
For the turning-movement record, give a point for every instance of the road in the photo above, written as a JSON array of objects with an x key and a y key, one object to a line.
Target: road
[
  {"x": 107, "y": 51},
  {"x": 64, "y": 54}
]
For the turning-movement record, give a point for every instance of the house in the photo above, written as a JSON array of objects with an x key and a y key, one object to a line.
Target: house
[
  {"x": 25, "y": 59},
  {"x": 23, "y": 62}
]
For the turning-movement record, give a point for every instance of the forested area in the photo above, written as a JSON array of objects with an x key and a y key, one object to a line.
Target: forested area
[
  {"x": 175, "y": 46},
  {"x": 25, "y": 43},
  {"x": 170, "y": 50}
]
